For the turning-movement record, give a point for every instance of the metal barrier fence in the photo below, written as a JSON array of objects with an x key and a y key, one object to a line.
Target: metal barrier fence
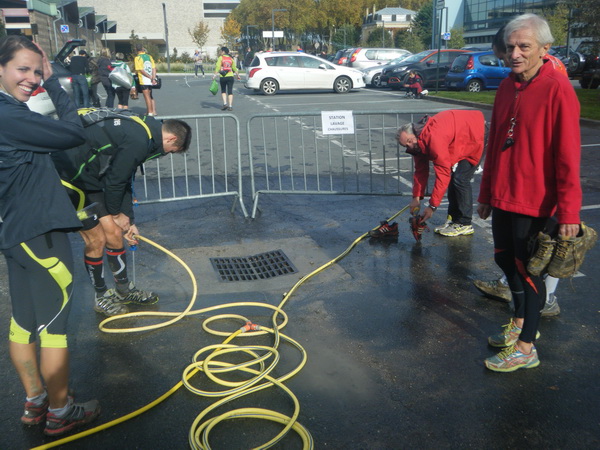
[
  {"x": 212, "y": 167},
  {"x": 289, "y": 154}
]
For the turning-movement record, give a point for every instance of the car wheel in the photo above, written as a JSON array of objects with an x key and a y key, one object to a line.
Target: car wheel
[
  {"x": 595, "y": 84},
  {"x": 269, "y": 86},
  {"x": 342, "y": 85},
  {"x": 576, "y": 63},
  {"x": 376, "y": 80},
  {"x": 584, "y": 83},
  {"x": 475, "y": 85}
]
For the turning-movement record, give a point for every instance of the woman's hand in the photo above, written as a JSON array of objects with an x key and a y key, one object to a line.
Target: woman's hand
[{"x": 46, "y": 66}]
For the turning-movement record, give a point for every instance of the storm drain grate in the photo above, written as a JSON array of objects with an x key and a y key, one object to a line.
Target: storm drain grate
[{"x": 258, "y": 267}]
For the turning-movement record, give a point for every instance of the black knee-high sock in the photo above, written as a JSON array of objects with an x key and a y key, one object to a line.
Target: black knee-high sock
[
  {"x": 117, "y": 261},
  {"x": 95, "y": 269}
]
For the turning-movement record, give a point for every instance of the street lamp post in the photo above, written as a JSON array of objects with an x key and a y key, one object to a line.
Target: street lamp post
[
  {"x": 167, "y": 37},
  {"x": 273, "y": 11}
]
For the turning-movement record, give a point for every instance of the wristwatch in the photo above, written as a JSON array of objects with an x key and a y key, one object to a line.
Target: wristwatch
[{"x": 429, "y": 205}]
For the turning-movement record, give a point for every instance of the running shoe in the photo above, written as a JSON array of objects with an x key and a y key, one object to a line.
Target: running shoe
[
  {"x": 511, "y": 359},
  {"x": 456, "y": 229},
  {"x": 444, "y": 226},
  {"x": 79, "y": 414},
  {"x": 543, "y": 254},
  {"x": 109, "y": 304},
  {"x": 137, "y": 296},
  {"x": 494, "y": 289},
  {"x": 33, "y": 413},
  {"x": 508, "y": 336},
  {"x": 385, "y": 230},
  {"x": 551, "y": 307}
]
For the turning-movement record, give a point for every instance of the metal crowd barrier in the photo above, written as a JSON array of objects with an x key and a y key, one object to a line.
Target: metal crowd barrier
[
  {"x": 212, "y": 167},
  {"x": 290, "y": 154}
]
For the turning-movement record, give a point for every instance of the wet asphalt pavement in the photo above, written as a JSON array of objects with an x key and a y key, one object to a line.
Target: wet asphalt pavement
[{"x": 395, "y": 334}]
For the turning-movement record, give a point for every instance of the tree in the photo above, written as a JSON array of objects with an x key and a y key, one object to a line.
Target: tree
[
  {"x": 151, "y": 47},
  {"x": 345, "y": 36},
  {"x": 422, "y": 23},
  {"x": 409, "y": 40},
  {"x": 586, "y": 17},
  {"x": 558, "y": 19},
  {"x": 378, "y": 38},
  {"x": 2, "y": 29},
  {"x": 230, "y": 31},
  {"x": 199, "y": 34},
  {"x": 457, "y": 39}
]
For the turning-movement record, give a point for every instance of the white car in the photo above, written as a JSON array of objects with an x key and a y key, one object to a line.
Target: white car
[{"x": 271, "y": 72}]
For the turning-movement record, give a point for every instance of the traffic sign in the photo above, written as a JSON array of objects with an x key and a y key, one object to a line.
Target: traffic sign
[
  {"x": 64, "y": 28},
  {"x": 446, "y": 36}
]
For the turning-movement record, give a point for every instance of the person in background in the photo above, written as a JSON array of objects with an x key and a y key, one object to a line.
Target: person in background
[
  {"x": 248, "y": 57},
  {"x": 146, "y": 71},
  {"x": 225, "y": 69},
  {"x": 198, "y": 63},
  {"x": 414, "y": 85},
  {"x": 35, "y": 216},
  {"x": 531, "y": 173},
  {"x": 94, "y": 81},
  {"x": 122, "y": 93},
  {"x": 79, "y": 68},
  {"x": 104, "y": 69}
]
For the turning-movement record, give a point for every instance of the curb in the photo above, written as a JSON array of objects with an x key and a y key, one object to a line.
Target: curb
[{"x": 589, "y": 123}]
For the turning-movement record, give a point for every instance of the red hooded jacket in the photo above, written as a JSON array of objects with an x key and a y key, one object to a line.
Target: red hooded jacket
[
  {"x": 539, "y": 174},
  {"x": 446, "y": 139}
]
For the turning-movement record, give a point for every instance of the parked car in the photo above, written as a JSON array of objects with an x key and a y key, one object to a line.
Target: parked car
[
  {"x": 425, "y": 64},
  {"x": 476, "y": 71},
  {"x": 372, "y": 75},
  {"x": 584, "y": 65},
  {"x": 40, "y": 100},
  {"x": 341, "y": 56},
  {"x": 279, "y": 71},
  {"x": 362, "y": 58}
]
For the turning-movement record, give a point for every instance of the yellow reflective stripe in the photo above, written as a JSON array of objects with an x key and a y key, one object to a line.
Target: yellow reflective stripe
[
  {"x": 17, "y": 333},
  {"x": 56, "y": 268},
  {"x": 79, "y": 192},
  {"x": 48, "y": 340}
]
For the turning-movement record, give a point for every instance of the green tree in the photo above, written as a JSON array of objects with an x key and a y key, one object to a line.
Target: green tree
[
  {"x": 558, "y": 19},
  {"x": 409, "y": 40},
  {"x": 457, "y": 39},
  {"x": 345, "y": 36},
  {"x": 586, "y": 17},
  {"x": 230, "y": 32},
  {"x": 151, "y": 47},
  {"x": 423, "y": 22},
  {"x": 199, "y": 34},
  {"x": 378, "y": 38}
]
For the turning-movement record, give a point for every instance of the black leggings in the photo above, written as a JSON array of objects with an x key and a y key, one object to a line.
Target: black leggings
[
  {"x": 514, "y": 236},
  {"x": 40, "y": 282},
  {"x": 227, "y": 84}
]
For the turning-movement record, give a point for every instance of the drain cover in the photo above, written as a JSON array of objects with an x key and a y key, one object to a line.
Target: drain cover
[{"x": 257, "y": 267}]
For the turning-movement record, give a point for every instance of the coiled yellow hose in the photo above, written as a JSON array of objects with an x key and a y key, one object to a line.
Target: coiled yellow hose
[{"x": 265, "y": 358}]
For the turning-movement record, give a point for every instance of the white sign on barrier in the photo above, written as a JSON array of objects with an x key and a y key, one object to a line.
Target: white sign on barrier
[{"x": 337, "y": 122}]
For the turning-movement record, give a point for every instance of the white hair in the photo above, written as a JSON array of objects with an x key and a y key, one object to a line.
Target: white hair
[{"x": 535, "y": 23}]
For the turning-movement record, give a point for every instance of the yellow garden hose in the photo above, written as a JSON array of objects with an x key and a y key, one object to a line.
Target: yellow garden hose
[{"x": 261, "y": 360}]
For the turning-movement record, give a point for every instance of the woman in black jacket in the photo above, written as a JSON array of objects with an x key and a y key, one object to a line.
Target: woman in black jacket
[
  {"x": 104, "y": 69},
  {"x": 35, "y": 214}
]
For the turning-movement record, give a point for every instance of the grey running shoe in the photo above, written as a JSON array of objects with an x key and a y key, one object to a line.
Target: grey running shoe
[
  {"x": 494, "y": 289},
  {"x": 456, "y": 229},
  {"x": 34, "y": 414},
  {"x": 540, "y": 260},
  {"x": 509, "y": 336},
  {"x": 137, "y": 296},
  {"x": 109, "y": 304},
  {"x": 79, "y": 414},
  {"x": 551, "y": 307}
]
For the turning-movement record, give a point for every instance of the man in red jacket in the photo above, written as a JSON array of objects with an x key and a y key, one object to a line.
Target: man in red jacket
[{"x": 453, "y": 140}]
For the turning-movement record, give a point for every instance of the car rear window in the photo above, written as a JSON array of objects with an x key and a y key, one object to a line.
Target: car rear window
[
  {"x": 459, "y": 63},
  {"x": 489, "y": 60}
]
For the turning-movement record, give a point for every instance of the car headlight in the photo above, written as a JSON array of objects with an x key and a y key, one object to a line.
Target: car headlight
[{"x": 399, "y": 70}]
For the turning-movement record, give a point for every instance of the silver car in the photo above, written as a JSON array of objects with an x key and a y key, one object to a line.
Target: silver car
[
  {"x": 372, "y": 75},
  {"x": 361, "y": 58}
]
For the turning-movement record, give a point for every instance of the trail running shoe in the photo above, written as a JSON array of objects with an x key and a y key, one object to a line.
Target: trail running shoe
[
  {"x": 109, "y": 304},
  {"x": 508, "y": 336},
  {"x": 570, "y": 252},
  {"x": 551, "y": 307},
  {"x": 35, "y": 414},
  {"x": 542, "y": 256},
  {"x": 78, "y": 415},
  {"x": 456, "y": 229},
  {"x": 511, "y": 359},
  {"x": 137, "y": 296},
  {"x": 385, "y": 230},
  {"x": 494, "y": 289}
]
